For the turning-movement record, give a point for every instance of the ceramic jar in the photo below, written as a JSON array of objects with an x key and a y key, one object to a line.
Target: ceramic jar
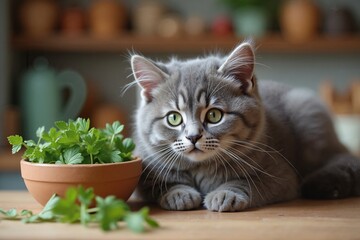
[
  {"x": 73, "y": 21},
  {"x": 299, "y": 20},
  {"x": 147, "y": 16},
  {"x": 106, "y": 18},
  {"x": 38, "y": 18},
  {"x": 250, "y": 21}
]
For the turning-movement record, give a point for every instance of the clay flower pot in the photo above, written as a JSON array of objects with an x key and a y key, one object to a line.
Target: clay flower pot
[
  {"x": 107, "y": 18},
  {"x": 299, "y": 20},
  {"x": 38, "y": 17},
  {"x": 44, "y": 180}
]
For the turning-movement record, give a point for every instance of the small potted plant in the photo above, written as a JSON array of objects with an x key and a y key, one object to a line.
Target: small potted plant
[
  {"x": 72, "y": 153},
  {"x": 250, "y": 17}
]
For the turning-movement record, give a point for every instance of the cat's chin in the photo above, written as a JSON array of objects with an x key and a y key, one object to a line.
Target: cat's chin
[{"x": 197, "y": 155}]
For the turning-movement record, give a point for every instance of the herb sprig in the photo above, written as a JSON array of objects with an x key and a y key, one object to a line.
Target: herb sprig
[
  {"x": 75, "y": 208},
  {"x": 74, "y": 142}
]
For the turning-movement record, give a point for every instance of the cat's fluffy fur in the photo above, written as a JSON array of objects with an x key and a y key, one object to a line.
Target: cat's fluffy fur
[{"x": 210, "y": 135}]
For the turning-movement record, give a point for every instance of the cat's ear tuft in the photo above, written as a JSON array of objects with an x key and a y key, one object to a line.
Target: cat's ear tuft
[
  {"x": 240, "y": 66},
  {"x": 147, "y": 75}
]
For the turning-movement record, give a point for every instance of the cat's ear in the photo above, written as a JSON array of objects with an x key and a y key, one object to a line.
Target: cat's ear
[
  {"x": 147, "y": 75},
  {"x": 240, "y": 66}
]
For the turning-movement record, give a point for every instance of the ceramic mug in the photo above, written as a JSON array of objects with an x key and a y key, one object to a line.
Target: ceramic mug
[{"x": 42, "y": 99}]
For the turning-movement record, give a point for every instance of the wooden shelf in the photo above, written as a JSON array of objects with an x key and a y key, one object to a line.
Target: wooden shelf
[{"x": 268, "y": 44}]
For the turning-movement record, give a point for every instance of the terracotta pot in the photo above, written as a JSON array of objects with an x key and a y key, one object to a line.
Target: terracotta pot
[
  {"x": 73, "y": 21},
  {"x": 106, "y": 18},
  {"x": 38, "y": 17},
  {"x": 299, "y": 20},
  {"x": 44, "y": 180}
]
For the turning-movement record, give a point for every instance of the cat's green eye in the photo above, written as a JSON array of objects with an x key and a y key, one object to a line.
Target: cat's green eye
[
  {"x": 174, "y": 119},
  {"x": 214, "y": 115}
]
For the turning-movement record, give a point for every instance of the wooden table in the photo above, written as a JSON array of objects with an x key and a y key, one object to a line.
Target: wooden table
[{"x": 300, "y": 219}]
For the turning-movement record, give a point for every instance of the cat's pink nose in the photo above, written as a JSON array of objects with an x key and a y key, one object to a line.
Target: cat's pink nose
[{"x": 194, "y": 138}]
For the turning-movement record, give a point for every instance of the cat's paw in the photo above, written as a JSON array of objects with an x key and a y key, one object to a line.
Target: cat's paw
[
  {"x": 181, "y": 197},
  {"x": 226, "y": 201}
]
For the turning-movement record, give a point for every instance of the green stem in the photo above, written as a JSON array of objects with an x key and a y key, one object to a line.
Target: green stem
[
  {"x": 39, "y": 140},
  {"x": 112, "y": 141},
  {"x": 83, "y": 214},
  {"x": 91, "y": 159}
]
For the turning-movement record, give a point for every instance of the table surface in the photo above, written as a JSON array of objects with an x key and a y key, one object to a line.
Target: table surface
[{"x": 299, "y": 219}]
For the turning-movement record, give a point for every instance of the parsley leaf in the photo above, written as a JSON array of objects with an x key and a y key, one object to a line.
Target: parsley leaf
[
  {"x": 66, "y": 208},
  {"x": 75, "y": 207},
  {"x": 9, "y": 214},
  {"x": 113, "y": 129},
  {"x": 72, "y": 156},
  {"x": 16, "y": 141}
]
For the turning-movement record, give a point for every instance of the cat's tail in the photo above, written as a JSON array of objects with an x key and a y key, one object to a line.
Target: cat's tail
[{"x": 339, "y": 178}]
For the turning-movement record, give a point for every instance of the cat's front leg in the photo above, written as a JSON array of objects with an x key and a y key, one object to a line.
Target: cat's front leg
[
  {"x": 181, "y": 197},
  {"x": 229, "y": 197}
]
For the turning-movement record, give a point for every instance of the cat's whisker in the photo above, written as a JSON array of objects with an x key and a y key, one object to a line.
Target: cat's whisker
[
  {"x": 253, "y": 145},
  {"x": 280, "y": 154},
  {"x": 238, "y": 160},
  {"x": 222, "y": 161},
  {"x": 159, "y": 174},
  {"x": 250, "y": 146},
  {"x": 127, "y": 87},
  {"x": 246, "y": 174},
  {"x": 254, "y": 168},
  {"x": 232, "y": 168},
  {"x": 253, "y": 148},
  {"x": 158, "y": 159},
  {"x": 173, "y": 160},
  {"x": 162, "y": 149}
]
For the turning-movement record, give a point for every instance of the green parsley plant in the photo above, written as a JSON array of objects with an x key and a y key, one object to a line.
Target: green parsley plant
[{"x": 74, "y": 142}]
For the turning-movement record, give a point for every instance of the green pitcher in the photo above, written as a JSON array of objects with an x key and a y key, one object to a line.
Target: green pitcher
[{"x": 41, "y": 93}]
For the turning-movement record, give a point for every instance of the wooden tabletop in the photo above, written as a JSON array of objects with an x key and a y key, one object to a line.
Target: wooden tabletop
[{"x": 300, "y": 219}]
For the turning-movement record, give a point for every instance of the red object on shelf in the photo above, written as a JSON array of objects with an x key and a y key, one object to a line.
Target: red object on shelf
[
  {"x": 222, "y": 26},
  {"x": 73, "y": 21}
]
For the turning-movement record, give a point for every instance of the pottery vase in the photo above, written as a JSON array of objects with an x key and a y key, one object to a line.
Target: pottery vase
[
  {"x": 38, "y": 18},
  {"x": 107, "y": 18},
  {"x": 73, "y": 21},
  {"x": 299, "y": 20},
  {"x": 250, "y": 22},
  {"x": 146, "y": 17},
  {"x": 41, "y": 97}
]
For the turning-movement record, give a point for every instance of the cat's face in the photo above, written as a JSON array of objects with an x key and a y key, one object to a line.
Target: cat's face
[{"x": 198, "y": 109}]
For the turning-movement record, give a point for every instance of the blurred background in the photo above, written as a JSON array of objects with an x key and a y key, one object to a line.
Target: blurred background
[{"x": 61, "y": 59}]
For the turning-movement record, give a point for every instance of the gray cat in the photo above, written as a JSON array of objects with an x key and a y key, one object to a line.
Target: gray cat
[{"x": 210, "y": 135}]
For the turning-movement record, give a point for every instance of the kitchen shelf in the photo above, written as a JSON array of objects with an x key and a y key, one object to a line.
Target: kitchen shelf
[{"x": 273, "y": 43}]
